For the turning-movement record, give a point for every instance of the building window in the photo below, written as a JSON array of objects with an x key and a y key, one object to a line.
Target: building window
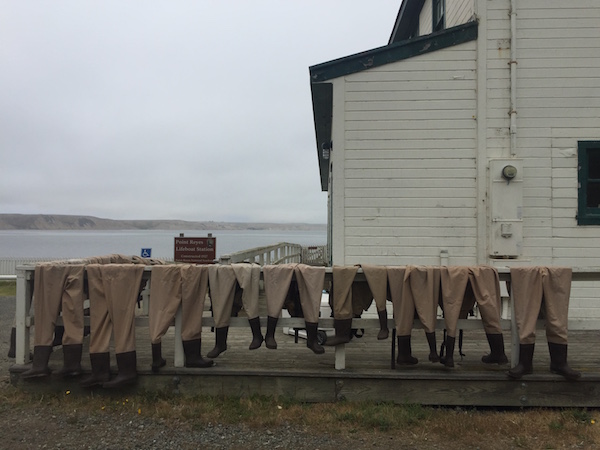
[
  {"x": 439, "y": 15},
  {"x": 589, "y": 183}
]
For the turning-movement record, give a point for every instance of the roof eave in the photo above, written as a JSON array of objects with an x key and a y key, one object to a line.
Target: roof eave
[
  {"x": 322, "y": 100},
  {"x": 322, "y": 91},
  {"x": 393, "y": 52}
]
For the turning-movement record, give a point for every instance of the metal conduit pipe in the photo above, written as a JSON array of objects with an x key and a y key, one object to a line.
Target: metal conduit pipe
[{"x": 513, "y": 78}]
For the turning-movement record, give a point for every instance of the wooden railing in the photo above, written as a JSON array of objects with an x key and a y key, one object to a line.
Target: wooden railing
[
  {"x": 284, "y": 252},
  {"x": 24, "y": 317}
]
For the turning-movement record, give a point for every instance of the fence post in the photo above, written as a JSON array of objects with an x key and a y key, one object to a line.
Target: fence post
[{"x": 23, "y": 304}]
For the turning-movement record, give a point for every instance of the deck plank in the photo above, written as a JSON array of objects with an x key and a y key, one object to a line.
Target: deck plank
[{"x": 293, "y": 371}]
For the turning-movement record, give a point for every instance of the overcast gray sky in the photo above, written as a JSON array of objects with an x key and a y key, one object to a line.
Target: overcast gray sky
[{"x": 193, "y": 110}]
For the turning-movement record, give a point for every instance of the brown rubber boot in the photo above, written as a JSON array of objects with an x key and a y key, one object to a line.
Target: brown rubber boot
[
  {"x": 558, "y": 362},
  {"x": 448, "y": 359},
  {"x": 311, "y": 338},
  {"x": 433, "y": 354},
  {"x": 525, "y": 365},
  {"x": 193, "y": 356},
  {"x": 100, "y": 370},
  {"x": 41, "y": 356},
  {"x": 126, "y": 362},
  {"x": 72, "y": 361},
  {"x": 384, "y": 331},
  {"x": 270, "y": 341},
  {"x": 496, "y": 355},
  {"x": 157, "y": 360},
  {"x": 343, "y": 328},
  {"x": 220, "y": 342},
  {"x": 405, "y": 357},
  {"x": 257, "y": 337}
]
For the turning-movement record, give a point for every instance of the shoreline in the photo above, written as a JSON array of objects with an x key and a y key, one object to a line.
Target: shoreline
[{"x": 57, "y": 222}]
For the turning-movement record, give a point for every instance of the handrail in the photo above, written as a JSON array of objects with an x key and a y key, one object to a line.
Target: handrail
[
  {"x": 270, "y": 254},
  {"x": 8, "y": 277}
]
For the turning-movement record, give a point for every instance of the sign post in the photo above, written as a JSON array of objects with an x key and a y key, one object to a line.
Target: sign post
[{"x": 195, "y": 250}]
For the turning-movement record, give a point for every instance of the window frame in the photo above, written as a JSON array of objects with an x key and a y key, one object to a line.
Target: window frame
[
  {"x": 438, "y": 23},
  {"x": 585, "y": 215}
]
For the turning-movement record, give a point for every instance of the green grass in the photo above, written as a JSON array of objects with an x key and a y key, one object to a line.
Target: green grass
[{"x": 8, "y": 288}]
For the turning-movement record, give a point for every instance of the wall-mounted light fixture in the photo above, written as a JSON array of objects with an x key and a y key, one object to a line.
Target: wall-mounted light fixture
[{"x": 326, "y": 149}]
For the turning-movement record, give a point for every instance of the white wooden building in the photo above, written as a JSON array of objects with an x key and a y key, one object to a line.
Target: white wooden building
[{"x": 472, "y": 137}]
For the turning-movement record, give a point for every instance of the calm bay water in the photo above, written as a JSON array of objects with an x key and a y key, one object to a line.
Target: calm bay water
[{"x": 80, "y": 244}]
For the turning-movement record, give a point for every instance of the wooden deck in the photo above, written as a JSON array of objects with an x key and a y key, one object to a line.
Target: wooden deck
[{"x": 293, "y": 371}]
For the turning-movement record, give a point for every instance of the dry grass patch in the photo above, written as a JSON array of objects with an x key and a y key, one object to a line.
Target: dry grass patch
[{"x": 448, "y": 428}]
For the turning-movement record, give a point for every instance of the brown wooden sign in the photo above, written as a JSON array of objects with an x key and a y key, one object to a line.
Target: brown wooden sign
[{"x": 195, "y": 250}]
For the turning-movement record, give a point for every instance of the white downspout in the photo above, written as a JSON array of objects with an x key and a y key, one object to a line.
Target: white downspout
[{"x": 513, "y": 78}]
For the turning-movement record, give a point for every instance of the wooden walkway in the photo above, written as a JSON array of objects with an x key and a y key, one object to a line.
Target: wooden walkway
[{"x": 293, "y": 371}]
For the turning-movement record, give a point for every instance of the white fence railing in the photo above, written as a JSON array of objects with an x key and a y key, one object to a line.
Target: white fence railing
[
  {"x": 8, "y": 266},
  {"x": 281, "y": 253},
  {"x": 24, "y": 318}
]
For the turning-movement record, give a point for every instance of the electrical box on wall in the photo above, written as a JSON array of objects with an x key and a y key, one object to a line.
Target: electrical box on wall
[{"x": 506, "y": 208}]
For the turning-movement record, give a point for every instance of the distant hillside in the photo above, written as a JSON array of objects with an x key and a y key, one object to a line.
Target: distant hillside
[{"x": 65, "y": 222}]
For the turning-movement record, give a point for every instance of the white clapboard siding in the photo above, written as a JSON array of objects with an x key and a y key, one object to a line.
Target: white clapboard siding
[
  {"x": 402, "y": 202},
  {"x": 558, "y": 104},
  {"x": 406, "y": 174},
  {"x": 497, "y": 78},
  {"x": 458, "y": 12},
  {"x": 409, "y": 160},
  {"x": 558, "y": 49},
  {"x": 425, "y": 18}
]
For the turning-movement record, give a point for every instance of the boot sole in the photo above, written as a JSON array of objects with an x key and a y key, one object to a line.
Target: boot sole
[
  {"x": 406, "y": 363},
  {"x": 447, "y": 363},
  {"x": 382, "y": 336},
  {"x": 212, "y": 354},
  {"x": 200, "y": 366},
  {"x": 333, "y": 343},
  {"x": 566, "y": 376},
  {"x": 519, "y": 376},
  {"x": 500, "y": 361},
  {"x": 70, "y": 374},
  {"x": 155, "y": 368},
  {"x": 119, "y": 383},
  {"x": 317, "y": 351},
  {"x": 94, "y": 383},
  {"x": 255, "y": 345},
  {"x": 35, "y": 375}
]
